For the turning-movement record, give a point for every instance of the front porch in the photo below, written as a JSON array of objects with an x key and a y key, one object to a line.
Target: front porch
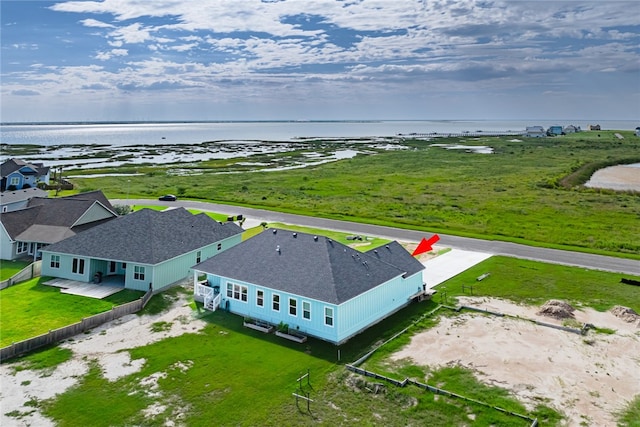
[{"x": 108, "y": 286}]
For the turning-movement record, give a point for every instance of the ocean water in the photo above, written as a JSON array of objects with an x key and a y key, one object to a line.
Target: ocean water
[{"x": 135, "y": 134}]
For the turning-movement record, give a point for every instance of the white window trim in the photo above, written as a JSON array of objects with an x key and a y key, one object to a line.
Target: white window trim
[
  {"x": 303, "y": 303},
  {"x": 258, "y": 298},
  {"x": 55, "y": 262},
  {"x": 279, "y": 302},
  {"x": 140, "y": 271},
  {"x": 240, "y": 293},
  {"x": 289, "y": 306},
  {"x": 333, "y": 316},
  {"x": 22, "y": 247},
  {"x": 80, "y": 264}
]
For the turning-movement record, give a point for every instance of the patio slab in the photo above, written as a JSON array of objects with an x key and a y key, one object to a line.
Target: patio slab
[{"x": 90, "y": 290}]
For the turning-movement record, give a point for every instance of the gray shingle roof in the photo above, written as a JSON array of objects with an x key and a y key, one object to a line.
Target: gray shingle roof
[
  {"x": 7, "y": 197},
  {"x": 310, "y": 266},
  {"x": 147, "y": 236},
  {"x": 12, "y": 165},
  {"x": 48, "y": 220}
]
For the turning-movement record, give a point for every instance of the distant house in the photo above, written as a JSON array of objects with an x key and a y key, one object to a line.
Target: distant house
[
  {"x": 535, "y": 132},
  {"x": 571, "y": 129},
  {"x": 638, "y": 131},
  {"x": 316, "y": 286},
  {"x": 17, "y": 174},
  {"x": 554, "y": 130},
  {"x": 143, "y": 249},
  {"x": 15, "y": 200},
  {"x": 49, "y": 220},
  {"x": 594, "y": 127}
]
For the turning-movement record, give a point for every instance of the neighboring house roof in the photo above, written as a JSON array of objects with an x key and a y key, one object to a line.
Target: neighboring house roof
[
  {"x": 8, "y": 197},
  {"x": 147, "y": 236},
  {"x": 13, "y": 165},
  {"x": 48, "y": 220},
  {"x": 310, "y": 266}
]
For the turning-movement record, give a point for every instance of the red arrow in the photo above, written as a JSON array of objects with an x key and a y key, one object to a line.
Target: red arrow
[{"x": 425, "y": 245}]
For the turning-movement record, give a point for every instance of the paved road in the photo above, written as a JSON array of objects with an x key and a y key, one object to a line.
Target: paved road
[{"x": 579, "y": 259}]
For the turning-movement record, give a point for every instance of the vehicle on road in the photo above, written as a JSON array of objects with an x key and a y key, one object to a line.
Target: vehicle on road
[{"x": 168, "y": 198}]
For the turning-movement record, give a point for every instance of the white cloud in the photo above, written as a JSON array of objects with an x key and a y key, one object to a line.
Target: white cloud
[{"x": 95, "y": 23}]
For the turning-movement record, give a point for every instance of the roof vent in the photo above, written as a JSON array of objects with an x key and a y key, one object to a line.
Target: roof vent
[
  {"x": 278, "y": 248},
  {"x": 295, "y": 235},
  {"x": 275, "y": 231},
  {"x": 386, "y": 246},
  {"x": 315, "y": 238}
]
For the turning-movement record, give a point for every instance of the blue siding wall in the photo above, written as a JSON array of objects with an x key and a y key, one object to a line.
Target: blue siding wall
[
  {"x": 349, "y": 318},
  {"x": 361, "y": 312}
]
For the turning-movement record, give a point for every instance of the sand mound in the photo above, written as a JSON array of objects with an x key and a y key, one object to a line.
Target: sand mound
[
  {"x": 556, "y": 309},
  {"x": 625, "y": 313}
]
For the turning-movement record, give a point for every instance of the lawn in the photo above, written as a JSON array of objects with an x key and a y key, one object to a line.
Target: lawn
[
  {"x": 9, "y": 268},
  {"x": 220, "y": 372},
  {"x": 533, "y": 283},
  {"x": 30, "y": 309},
  {"x": 230, "y": 375}
]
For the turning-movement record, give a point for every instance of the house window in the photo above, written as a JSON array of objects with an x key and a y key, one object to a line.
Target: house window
[
  {"x": 306, "y": 310},
  {"x": 237, "y": 292},
  {"x": 22, "y": 247},
  {"x": 15, "y": 181},
  {"x": 260, "y": 298},
  {"x": 328, "y": 316},
  {"x": 198, "y": 256},
  {"x": 138, "y": 272},
  {"x": 275, "y": 302},
  {"x": 55, "y": 261},
  {"x": 112, "y": 267},
  {"x": 77, "y": 266},
  {"x": 124, "y": 265},
  {"x": 293, "y": 306},
  {"x": 219, "y": 246}
]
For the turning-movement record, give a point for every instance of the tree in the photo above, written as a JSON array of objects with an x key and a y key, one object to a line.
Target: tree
[{"x": 122, "y": 209}]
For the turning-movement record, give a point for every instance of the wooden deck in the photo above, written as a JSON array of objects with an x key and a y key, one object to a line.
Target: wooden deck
[{"x": 90, "y": 290}]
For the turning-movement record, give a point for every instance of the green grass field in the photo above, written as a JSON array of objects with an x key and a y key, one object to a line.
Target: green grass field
[
  {"x": 30, "y": 309},
  {"x": 210, "y": 375},
  {"x": 516, "y": 194},
  {"x": 9, "y": 268}
]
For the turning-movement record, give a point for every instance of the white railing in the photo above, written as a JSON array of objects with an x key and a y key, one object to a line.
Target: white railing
[
  {"x": 212, "y": 303},
  {"x": 200, "y": 290}
]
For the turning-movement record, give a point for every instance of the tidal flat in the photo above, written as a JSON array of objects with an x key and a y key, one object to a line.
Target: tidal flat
[{"x": 517, "y": 193}]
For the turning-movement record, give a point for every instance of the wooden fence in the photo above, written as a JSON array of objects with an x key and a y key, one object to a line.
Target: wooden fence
[
  {"x": 57, "y": 335},
  {"x": 29, "y": 272}
]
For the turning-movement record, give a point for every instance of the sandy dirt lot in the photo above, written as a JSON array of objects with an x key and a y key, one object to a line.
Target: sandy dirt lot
[
  {"x": 587, "y": 378},
  {"x": 624, "y": 177},
  {"x": 102, "y": 344}
]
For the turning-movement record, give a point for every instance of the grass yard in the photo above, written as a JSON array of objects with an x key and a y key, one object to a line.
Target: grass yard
[
  {"x": 30, "y": 309},
  {"x": 534, "y": 283},
  {"x": 9, "y": 268},
  {"x": 230, "y": 375}
]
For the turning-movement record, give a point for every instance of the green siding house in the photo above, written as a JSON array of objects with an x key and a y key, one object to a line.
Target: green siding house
[{"x": 142, "y": 250}]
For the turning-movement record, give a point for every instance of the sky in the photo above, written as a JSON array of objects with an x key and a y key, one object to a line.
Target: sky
[{"x": 144, "y": 60}]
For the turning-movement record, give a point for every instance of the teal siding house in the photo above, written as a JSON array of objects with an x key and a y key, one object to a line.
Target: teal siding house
[
  {"x": 142, "y": 250},
  {"x": 314, "y": 285},
  {"x": 16, "y": 174}
]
